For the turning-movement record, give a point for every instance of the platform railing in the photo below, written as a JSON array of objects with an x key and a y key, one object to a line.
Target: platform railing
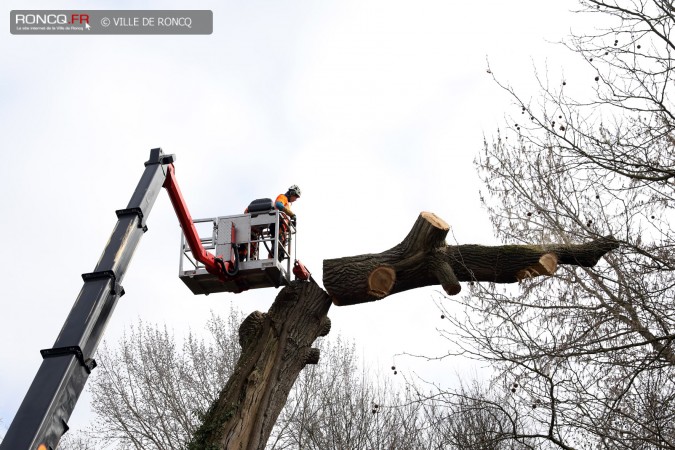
[
  {"x": 253, "y": 232},
  {"x": 209, "y": 243}
]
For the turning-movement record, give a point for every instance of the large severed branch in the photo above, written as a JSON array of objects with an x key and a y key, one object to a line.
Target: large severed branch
[
  {"x": 423, "y": 259},
  {"x": 277, "y": 345}
]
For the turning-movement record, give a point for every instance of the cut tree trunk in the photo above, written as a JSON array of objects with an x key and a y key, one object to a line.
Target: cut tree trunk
[
  {"x": 424, "y": 259},
  {"x": 277, "y": 345}
]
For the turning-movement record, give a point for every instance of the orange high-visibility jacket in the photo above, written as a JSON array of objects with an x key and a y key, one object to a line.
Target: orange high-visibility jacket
[{"x": 281, "y": 202}]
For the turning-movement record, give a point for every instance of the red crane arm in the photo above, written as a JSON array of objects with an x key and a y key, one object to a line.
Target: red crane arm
[{"x": 210, "y": 262}]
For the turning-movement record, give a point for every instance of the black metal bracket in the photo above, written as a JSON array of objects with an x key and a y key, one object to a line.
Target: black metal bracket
[
  {"x": 116, "y": 288},
  {"x": 157, "y": 157},
  {"x": 89, "y": 364},
  {"x": 133, "y": 211}
]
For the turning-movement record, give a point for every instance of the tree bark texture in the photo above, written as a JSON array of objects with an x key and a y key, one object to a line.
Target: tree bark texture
[
  {"x": 275, "y": 346},
  {"x": 423, "y": 259}
]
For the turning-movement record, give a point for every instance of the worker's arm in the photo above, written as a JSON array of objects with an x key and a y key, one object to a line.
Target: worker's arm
[
  {"x": 286, "y": 209},
  {"x": 281, "y": 207}
]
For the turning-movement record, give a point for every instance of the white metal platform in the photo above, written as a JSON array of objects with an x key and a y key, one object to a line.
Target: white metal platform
[{"x": 266, "y": 256}]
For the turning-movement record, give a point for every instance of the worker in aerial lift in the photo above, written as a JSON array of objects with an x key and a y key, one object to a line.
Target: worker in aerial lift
[
  {"x": 282, "y": 201},
  {"x": 282, "y": 204}
]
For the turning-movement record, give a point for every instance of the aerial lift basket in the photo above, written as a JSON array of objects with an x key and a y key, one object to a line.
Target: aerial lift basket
[{"x": 263, "y": 257}]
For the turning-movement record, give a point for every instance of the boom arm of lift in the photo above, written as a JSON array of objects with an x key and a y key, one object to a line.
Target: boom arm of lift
[
  {"x": 42, "y": 418},
  {"x": 213, "y": 264}
]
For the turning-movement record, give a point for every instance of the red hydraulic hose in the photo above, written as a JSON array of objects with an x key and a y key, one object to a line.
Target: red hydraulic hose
[{"x": 188, "y": 226}]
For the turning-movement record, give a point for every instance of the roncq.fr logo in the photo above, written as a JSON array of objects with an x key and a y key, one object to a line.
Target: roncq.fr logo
[{"x": 51, "y": 19}]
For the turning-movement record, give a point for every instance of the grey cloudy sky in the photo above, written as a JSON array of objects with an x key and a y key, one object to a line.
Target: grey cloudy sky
[{"x": 375, "y": 108}]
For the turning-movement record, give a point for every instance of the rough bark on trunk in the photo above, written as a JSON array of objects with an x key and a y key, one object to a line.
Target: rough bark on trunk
[
  {"x": 277, "y": 345},
  {"x": 424, "y": 259}
]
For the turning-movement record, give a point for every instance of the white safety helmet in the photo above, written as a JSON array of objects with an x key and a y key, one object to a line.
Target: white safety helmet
[{"x": 294, "y": 190}]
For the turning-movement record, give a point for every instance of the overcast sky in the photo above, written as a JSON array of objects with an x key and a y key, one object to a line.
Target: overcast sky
[{"x": 375, "y": 108}]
